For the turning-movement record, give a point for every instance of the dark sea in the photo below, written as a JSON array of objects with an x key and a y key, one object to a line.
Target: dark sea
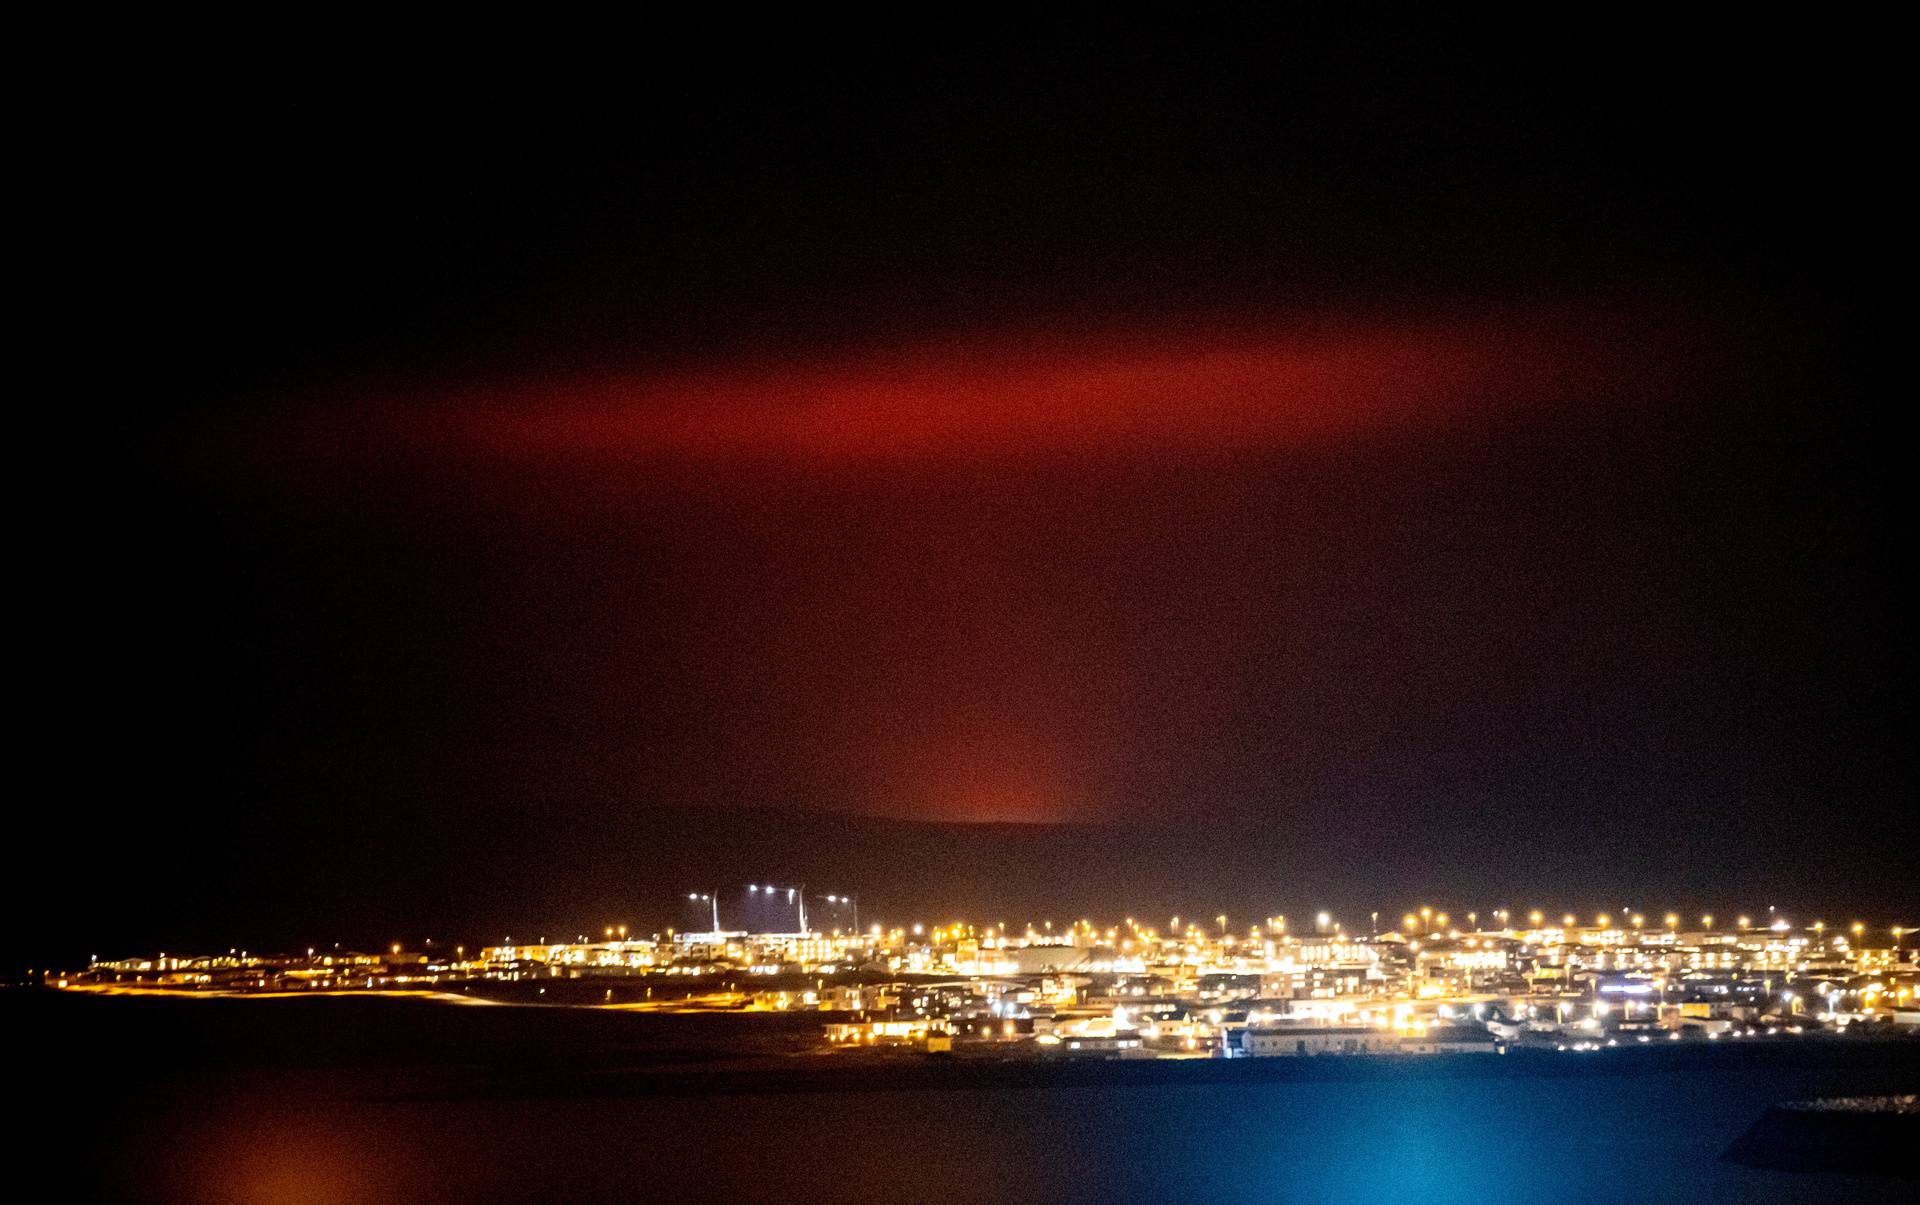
[{"x": 358, "y": 1100}]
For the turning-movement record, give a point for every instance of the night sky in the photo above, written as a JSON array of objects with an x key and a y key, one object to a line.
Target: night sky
[{"x": 1451, "y": 465}]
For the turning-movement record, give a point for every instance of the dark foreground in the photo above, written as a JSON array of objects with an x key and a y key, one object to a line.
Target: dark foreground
[{"x": 374, "y": 1100}]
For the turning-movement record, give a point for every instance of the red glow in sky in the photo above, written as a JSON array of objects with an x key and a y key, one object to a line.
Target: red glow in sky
[
  {"x": 1026, "y": 576},
  {"x": 1027, "y": 397}
]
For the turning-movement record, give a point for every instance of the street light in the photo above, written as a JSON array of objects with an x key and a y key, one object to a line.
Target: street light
[
  {"x": 796, "y": 895},
  {"x": 712, "y": 898},
  {"x": 852, "y": 903}
]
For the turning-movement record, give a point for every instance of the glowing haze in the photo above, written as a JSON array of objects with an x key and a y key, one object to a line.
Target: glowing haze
[
  {"x": 1019, "y": 397},
  {"x": 1018, "y": 578}
]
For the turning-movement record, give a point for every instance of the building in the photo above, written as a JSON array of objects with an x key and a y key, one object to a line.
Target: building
[{"x": 1356, "y": 1039}]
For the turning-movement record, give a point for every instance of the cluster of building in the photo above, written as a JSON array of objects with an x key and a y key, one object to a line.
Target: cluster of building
[{"x": 1423, "y": 985}]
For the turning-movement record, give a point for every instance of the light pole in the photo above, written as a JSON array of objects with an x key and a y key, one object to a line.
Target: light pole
[
  {"x": 796, "y": 895},
  {"x": 850, "y": 901},
  {"x": 713, "y": 899}
]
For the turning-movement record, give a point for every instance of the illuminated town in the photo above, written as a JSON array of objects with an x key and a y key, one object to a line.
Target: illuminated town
[{"x": 1424, "y": 982}]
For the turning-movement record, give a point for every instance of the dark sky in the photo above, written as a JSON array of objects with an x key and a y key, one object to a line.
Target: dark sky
[{"x": 1450, "y": 463}]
